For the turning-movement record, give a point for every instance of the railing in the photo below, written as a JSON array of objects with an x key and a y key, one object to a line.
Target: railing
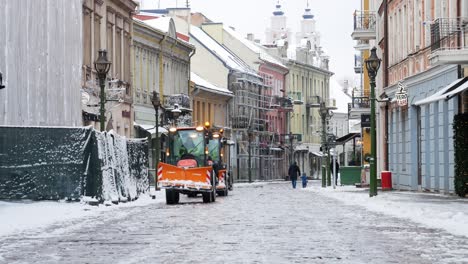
[
  {"x": 364, "y": 20},
  {"x": 312, "y": 101},
  {"x": 449, "y": 34},
  {"x": 360, "y": 102},
  {"x": 182, "y": 100}
]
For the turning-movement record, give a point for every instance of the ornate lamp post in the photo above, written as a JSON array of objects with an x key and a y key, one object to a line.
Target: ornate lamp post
[
  {"x": 176, "y": 113},
  {"x": 102, "y": 66},
  {"x": 373, "y": 65},
  {"x": 156, "y": 101}
]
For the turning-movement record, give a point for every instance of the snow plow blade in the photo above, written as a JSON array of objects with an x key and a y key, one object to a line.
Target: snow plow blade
[{"x": 170, "y": 176}]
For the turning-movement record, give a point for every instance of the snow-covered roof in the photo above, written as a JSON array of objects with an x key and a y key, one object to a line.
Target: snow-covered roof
[
  {"x": 164, "y": 24},
  {"x": 202, "y": 82},
  {"x": 263, "y": 54},
  {"x": 231, "y": 60},
  {"x": 341, "y": 99}
]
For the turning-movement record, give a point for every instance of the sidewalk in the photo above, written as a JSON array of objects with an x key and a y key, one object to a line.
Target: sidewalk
[
  {"x": 430, "y": 209},
  {"x": 27, "y": 215}
]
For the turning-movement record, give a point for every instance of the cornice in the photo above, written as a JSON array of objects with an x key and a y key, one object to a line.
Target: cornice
[{"x": 127, "y": 5}]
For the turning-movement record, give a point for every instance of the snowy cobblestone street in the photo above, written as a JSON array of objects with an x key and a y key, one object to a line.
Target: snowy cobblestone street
[{"x": 259, "y": 223}]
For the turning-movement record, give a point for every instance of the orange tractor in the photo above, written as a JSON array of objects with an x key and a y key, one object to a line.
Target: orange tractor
[
  {"x": 216, "y": 155},
  {"x": 188, "y": 168}
]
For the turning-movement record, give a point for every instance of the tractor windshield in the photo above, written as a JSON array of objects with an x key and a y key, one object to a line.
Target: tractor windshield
[
  {"x": 213, "y": 148},
  {"x": 187, "y": 143}
]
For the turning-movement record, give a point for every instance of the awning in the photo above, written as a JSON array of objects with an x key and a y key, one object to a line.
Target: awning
[
  {"x": 301, "y": 147},
  {"x": 342, "y": 140},
  {"x": 447, "y": 92},
  {"x": 318, "y": 154},
  {"x": 151, "y": 129},
  {"x": 276, "y": 149}
]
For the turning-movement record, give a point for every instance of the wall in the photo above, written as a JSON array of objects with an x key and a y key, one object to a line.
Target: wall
[
  {"x": 207, "y": 66},
  {"x": 435, "y": 134},
  {"x": 41, "y": 66},
  {"x": 107, "y": 24}
]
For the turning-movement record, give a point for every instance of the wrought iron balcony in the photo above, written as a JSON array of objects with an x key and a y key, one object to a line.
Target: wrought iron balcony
[
  {"x": 312, "y": 101},
  {"x": 449, "y": 41},
  {"x": 359, "y": 105},
  {"x": 182, "y": 100},
  {"x": 364, "y": 25}
]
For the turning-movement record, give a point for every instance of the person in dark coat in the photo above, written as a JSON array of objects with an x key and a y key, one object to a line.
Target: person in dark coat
[
  {"x": 293, "y": 173},
  {"x": 337, "y": 167}
]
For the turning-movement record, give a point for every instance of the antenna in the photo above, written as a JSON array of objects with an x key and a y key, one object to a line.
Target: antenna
[
  {"x": 159, "y": 4},
  {"x": 187, "y": 3},
  {"x": 307, "y": 3}
]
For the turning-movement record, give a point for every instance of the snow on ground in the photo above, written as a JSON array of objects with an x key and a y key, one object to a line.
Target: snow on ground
[
  {"x": 19, "y": 216},
  {"x": 432, "y": 210}
]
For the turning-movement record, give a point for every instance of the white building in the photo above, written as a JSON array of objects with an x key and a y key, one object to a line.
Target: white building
[{"x": 41, "y": 62}]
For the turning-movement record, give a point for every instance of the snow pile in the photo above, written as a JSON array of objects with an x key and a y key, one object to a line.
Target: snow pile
[
  {"x": 433, "y": 210},
  {"x": 117, "y": 182},
  {"x": 16, "y": 216}
]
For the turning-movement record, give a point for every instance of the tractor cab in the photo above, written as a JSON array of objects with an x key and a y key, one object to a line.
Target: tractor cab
[{"x": 187, "y": 168}]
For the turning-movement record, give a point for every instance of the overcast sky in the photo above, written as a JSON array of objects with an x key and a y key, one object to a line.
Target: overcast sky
[{"x": 334, "y": 21}]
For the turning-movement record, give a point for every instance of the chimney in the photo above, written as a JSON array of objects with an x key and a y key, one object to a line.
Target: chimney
[{"x": 250, "y": 37}]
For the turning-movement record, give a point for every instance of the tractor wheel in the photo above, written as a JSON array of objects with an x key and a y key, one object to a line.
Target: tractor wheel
[
  {"x": 172, "y": 197},
  {"x": 213, "y": 196},
  {"x": 206, "y": 197},
  {"x": 169, "y": 197}
]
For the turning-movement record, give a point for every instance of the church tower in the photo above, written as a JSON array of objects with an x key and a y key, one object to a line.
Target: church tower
[
  {"x": 308, "y": 31},
  {"x": 278, "y": 29}
]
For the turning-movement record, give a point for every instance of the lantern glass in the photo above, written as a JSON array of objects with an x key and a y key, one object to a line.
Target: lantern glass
[
  {"x": 373, "y": 63},
  {"x": 102, "y": 64}
]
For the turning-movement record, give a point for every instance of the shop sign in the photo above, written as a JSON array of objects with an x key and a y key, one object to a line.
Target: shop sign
[{"x": 401, "y": 96}]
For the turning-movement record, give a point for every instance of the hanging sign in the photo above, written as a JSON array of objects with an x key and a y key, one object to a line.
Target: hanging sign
[{"x": 401, "y": 96}]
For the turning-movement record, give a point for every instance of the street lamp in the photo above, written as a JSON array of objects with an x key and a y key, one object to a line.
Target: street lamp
[
  {"x": 102, "y": 66},
  {"x": 155, "y": 100},
  {"x": 325, "y": 114},
  {"x": 176, "y": 113},
  {"x": 373, "y": 65}
]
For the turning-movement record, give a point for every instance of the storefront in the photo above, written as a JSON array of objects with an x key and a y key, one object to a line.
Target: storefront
[{"x": 421, "y": 154}]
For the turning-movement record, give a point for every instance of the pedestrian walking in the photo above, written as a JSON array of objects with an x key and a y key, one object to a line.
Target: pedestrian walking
[
  {"x": 293, "y": 173},
  {"x": 337, "y": 167},
  {"x": 304, "y": 180}
]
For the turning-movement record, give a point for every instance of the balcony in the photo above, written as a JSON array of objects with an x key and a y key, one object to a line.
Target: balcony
[
  {"x": 364, "y": 25},
  {"x": 449, "y": 41},
  {"x": 357, "y": 64},
  {"x": 362, "y": 45},
  {"x": 312, "y": 101},
  {"x": 360, "y": 104}
]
